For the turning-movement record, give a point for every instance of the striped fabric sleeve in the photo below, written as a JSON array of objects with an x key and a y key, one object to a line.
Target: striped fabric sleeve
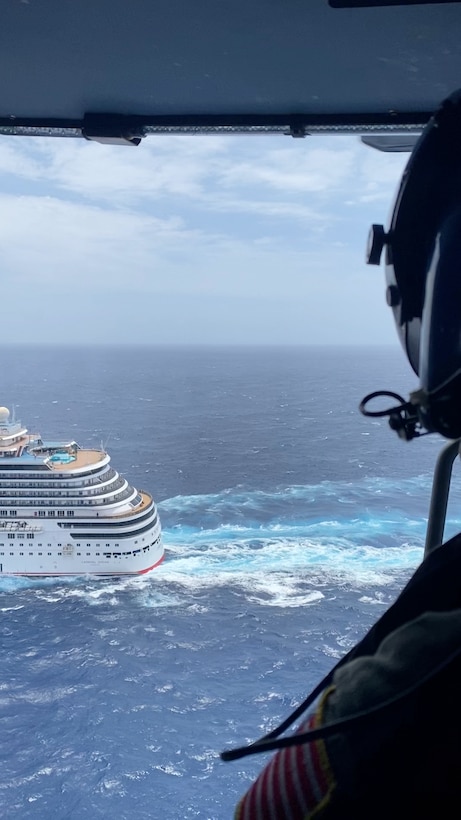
[{"x": 297, "y": 783}]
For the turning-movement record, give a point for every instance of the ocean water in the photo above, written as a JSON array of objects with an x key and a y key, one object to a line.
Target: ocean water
[{"x": 290, "y": 523}]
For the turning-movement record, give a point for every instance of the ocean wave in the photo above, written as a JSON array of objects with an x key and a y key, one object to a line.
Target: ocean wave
[
  {"x": 368, "y": 501},
  {"x": 274, "y": 572},
  {"x": 342, "y": 532},
  {"x": 345, "y": 490},
  {"x": 275, "y": 548},
  {"x": 330, "y": 561}
]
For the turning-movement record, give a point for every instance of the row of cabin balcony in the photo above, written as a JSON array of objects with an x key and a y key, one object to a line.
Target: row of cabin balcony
[
  {"x": 29, "y": 470},
  {"x": 115, "y": 499},
  {"x": 58, "y": 482},
  {"x": 103, "y": 489}
]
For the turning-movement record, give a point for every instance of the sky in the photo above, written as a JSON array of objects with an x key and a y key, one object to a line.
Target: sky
[{"x": 193, "y": 240}]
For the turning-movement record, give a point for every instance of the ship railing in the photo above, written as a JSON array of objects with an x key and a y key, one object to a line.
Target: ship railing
[
  {"x": 106, "y": 478},
  {"x": 75, "y": 501},
  {"x": 108, "y": 488}
]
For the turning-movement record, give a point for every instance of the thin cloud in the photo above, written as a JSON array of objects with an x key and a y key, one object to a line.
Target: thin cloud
[
  {"x": 378, "y": 177},
  {"x": 162, "y": 167},
  {"x": 303, "y": 169},
  {"x": 190, "y": 238},
  {"x": 271, "y": 208}
]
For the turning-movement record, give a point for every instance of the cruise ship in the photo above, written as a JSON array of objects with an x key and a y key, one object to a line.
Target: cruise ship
[{"x": 64, "y": 510}]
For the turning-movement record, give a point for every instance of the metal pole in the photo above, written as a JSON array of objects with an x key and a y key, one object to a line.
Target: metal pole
[{"x": 439, "y": 495}]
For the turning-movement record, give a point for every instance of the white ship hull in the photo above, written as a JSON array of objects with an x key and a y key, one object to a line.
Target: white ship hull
[{"x": 65, "y": 511}]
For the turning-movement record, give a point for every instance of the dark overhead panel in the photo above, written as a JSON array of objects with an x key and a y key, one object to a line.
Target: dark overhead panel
[{"x": 118, "y": 71}]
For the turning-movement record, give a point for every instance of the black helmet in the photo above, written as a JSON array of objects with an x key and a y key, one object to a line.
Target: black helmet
[{"x": 423, "y": 268}]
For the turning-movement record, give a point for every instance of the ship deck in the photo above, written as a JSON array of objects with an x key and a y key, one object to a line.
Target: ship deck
[
  {"x": 83, "y": 458},
  {"x": 146, "y": 501}
]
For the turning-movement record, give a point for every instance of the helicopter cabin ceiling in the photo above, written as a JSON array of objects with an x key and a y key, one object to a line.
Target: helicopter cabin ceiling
[{"x": 116, "y": 71}]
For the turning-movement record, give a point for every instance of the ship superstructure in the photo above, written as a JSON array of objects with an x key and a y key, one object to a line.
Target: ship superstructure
[{"x": 64, "y": 510}]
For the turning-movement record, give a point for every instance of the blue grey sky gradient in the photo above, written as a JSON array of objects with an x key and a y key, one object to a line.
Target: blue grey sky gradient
[{"x": 207, "y": 240}]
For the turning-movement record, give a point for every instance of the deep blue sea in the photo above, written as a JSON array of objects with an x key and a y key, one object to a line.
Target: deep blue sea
[{"x": 290, "y": 523}]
